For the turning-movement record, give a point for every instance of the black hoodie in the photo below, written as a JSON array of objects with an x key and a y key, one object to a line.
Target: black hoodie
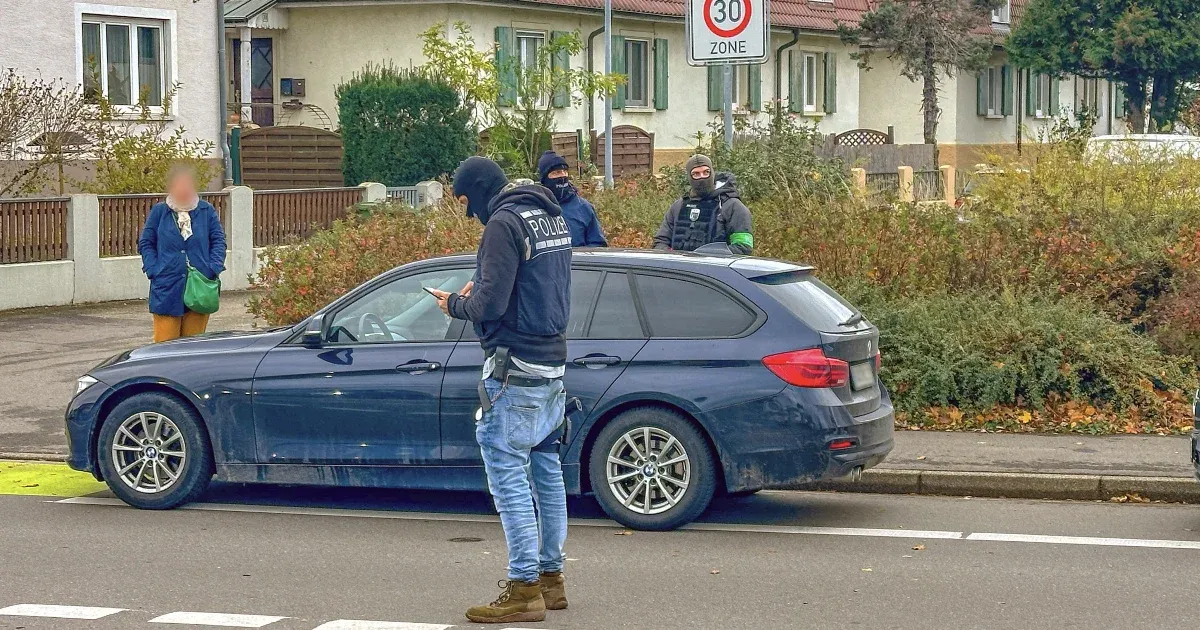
[{"x": 521, "y": 297}]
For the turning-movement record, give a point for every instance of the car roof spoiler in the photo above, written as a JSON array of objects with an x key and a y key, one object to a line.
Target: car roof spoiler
[{"x": 757, "y": 267}]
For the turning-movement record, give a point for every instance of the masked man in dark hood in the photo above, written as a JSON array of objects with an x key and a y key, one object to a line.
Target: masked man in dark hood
[
  {"x": 710, "y": 212},
  {"x": 579, "y": 213},
  {"x": 519, "y": 303}
]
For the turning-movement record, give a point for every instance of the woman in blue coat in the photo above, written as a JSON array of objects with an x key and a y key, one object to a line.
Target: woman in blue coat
[{"x": 182, "y": 229}]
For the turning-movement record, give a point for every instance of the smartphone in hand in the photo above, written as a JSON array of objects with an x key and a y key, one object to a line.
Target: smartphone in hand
[{"x": 429, "y": 291}]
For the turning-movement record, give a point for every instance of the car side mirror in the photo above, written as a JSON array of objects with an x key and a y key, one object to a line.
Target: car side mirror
[{"x": 313, "y": 335}]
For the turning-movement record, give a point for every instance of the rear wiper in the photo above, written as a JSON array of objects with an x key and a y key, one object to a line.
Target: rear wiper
[{"x": 853, "y": 319}]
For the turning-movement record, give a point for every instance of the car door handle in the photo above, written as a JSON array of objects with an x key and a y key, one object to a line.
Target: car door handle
[
  {"x": 600, "y": 360},
  {"x": 419, "y": 367}
]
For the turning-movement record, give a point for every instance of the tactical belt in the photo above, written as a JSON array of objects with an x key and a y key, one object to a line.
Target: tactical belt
[{"x": 502, "y": 371}]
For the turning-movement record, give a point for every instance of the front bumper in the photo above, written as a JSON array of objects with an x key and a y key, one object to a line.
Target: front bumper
[{"x": 82, "y": 423}]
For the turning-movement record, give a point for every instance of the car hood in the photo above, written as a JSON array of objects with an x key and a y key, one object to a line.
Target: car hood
[{"x": 207, "y": 343}]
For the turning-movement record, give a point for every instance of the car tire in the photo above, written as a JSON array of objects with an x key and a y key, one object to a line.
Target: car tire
[
  {"x": 174, "y": 464},
  {"x": 678, "y": 492}
]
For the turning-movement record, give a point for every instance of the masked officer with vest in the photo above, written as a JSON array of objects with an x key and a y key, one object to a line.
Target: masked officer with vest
[
  {"x": 579, "y": 213},
  {"x": 710, "y": 212},
  {"x": 519, "y": 303}
]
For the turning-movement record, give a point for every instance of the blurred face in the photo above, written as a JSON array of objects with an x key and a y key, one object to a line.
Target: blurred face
[
  {"x": 556, "y": 173},
  {"x": 182, "y": 187},
  {"x": 701, "y": 172}
]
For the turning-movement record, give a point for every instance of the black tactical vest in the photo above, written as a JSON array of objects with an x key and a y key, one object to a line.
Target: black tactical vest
[{"x": 696, "y": 224}]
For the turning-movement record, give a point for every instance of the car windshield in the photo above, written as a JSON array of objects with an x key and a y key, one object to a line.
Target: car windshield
[{"x": 813, "y": 302}]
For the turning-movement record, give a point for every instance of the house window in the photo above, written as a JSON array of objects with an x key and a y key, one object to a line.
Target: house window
[
  {"x": 529, "y": 46},
  {"x": 1003, "y": 13},
  {"x": 809, "y": 82},
  {"x": 123, "y": 59},
  {"x": 994, "y": 92},
  {"x": 637, "y": 64},
  {"x": 1039, "y": 95},
  {"x": 1088, "y": 91}
]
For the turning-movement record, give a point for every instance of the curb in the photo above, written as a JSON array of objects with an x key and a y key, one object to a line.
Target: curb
[
  {"x": 1017, "y": 485},
  {"x": 34, "y": 457}
]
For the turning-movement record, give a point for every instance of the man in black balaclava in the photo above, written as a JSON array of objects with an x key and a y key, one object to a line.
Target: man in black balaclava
[
  {"x": 710, "y": 212},
  {"x": 579, "y": 212},
  {"x": 519, "y": 304}
]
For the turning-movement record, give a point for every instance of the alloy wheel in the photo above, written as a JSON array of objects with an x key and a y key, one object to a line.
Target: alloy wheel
[
  {"x": 648, "y": 470},
  {"x": 149, "y": 452}
]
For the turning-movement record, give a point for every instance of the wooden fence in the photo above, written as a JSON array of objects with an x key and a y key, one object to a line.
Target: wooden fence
[
  {"x": 633, "y": 151},
  {"x": 928, "y": 186},
  {"x": 282, "y": 215},
  {"x": 273, "y": 158},
  {"x": 33, "y": 230},
  {"x": 123, "y": 216}
]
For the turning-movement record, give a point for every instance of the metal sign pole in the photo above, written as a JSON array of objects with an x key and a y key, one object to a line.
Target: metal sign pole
[
  {"x": 608, "y": 139},
  {"x": 728, "y": 106}
]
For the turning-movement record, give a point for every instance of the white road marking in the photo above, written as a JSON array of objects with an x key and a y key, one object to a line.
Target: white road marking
[
  {"x": 824, "y": 531},
  {"x": 60, "y": 612},
  {"x": 707, "y": 527},
  {"x": 358, "y": 624},
  {"x": 216, "y": 619},
  {"x": 1087, "y": 540}
]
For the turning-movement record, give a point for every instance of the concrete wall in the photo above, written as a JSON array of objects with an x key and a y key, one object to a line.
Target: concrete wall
[
  {"x": 326, "y": 45},
  {"x": 39, "y": 38}
]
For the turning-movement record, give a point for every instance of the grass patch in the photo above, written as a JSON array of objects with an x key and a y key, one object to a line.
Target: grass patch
[{"x": 46, "y": 479}]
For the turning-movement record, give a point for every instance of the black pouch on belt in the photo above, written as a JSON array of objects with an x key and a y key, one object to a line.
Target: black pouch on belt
[{"x": 500, "y": 366}]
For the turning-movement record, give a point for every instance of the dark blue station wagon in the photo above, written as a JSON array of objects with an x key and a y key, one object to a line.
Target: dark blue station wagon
[{"x": 697, "y": 375}]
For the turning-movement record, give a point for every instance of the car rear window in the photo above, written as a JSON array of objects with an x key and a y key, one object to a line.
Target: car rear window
[
  {"x": 680, "y": 308},
  {"x": 811, "y": 300}
]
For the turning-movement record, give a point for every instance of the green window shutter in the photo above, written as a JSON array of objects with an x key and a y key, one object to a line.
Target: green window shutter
[
  {"x": 660, "y": 73},
  {"x": 1006, "y": 85},
  {"x": 1054, "y": 87},
  {"x": 1031, "y": 81},
  {"x": 560, "y": 63},
  {"x": 795, "y": 104},
  {"x": 830, "y": 83},
  {"x": 981, "y": 93},
  {"x": 506, "y": 65},
  {"x": 1118, "y": 100},
  {"x": 754, "y": 80},
  {"x": 716, "y": 88},
  {"x": 618, "y": 66}
]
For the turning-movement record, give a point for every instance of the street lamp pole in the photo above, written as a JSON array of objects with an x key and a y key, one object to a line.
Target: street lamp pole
[{"x": 608, "y": 140}]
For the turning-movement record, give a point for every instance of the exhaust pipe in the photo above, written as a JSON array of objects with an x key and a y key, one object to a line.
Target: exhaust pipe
[{"x": 856, "y": 474}]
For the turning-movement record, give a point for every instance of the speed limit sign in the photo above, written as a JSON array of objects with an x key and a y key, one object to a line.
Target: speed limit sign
[{"x": 727, "y": 31}]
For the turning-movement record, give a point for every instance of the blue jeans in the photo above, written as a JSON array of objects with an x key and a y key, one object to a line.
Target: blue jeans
[{"x": 521, "y": 478}]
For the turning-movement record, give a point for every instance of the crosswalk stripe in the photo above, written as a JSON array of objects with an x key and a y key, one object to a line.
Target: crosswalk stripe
[
  {"x": 359, "y": 624},
  {"x": 216, "y": 619},
  {"x": 59, "y": 612}
]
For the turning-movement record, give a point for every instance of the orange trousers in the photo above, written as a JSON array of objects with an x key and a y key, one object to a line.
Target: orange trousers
[{"x": 167, "y": 327}]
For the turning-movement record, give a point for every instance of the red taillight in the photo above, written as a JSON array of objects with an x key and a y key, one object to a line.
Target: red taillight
[
  {"x": 808, "y": 368},
  {"x": 878, "y": 361},
  {"x": 841, "y": 445}
]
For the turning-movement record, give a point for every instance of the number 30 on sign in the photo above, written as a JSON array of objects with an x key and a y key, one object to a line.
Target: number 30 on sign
[{"x": 727, "y": 31}]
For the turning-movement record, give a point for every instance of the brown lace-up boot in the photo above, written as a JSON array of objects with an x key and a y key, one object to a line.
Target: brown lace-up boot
[
  {"x": 554, "y": 590},
  {"x": 520, "y": 601}
]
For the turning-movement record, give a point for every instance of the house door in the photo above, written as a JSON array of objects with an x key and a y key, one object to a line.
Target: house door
[{"x": 262, "y": 79}]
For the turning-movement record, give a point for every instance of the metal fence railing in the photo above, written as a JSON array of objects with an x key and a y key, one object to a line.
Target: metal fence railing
[
  {"x": 882, "y": 187},
  {"x": 408, "y": 195},
  {"x": 33, "y": 230}
]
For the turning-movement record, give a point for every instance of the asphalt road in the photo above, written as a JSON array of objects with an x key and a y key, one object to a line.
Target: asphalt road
[
  {"x": 777, "y": 560},
  {"x": 46, "y": 349}
]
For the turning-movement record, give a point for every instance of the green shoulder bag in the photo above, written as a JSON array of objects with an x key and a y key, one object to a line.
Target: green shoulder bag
[{"x": 201, "y": 295}]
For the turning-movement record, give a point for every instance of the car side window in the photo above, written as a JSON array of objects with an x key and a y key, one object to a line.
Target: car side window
[
  {"x": 616, "y": 315},
  {"x": 398, "y": 311},
  {"x": 681, "y": 308},
  {"x": 583, "y": 292}
]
